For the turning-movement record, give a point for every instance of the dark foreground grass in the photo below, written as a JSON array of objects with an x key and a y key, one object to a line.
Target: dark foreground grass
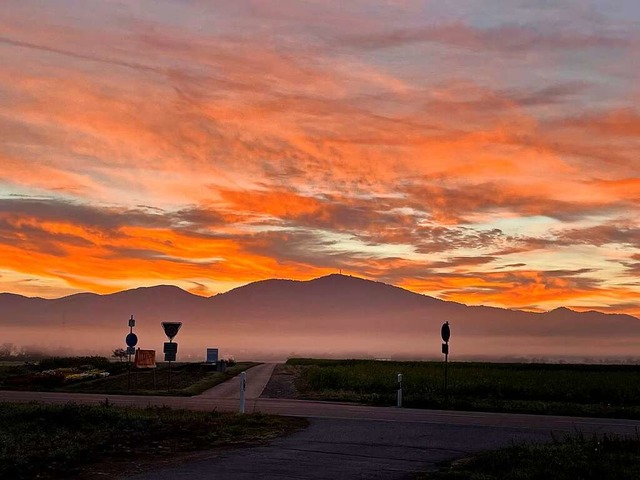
[
  {"x": 589, "y": 390},
  {"x": 574, "y": 458},
  {"x": 45, "y": 441}
]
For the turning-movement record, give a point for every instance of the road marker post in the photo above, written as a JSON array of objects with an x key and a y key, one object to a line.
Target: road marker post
[
  {"x": 399, "y": 390},
  {"x": 243, "y": 387}
]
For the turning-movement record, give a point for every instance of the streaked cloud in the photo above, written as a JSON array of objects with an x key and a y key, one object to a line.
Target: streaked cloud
[{"x": 481, "y": 152}]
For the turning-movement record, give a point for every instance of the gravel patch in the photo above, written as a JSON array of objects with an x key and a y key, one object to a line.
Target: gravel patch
[{"x": 282, "y": 382}]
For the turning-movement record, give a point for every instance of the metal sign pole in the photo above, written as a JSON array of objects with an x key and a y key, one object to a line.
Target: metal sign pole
[
  {"x": 131, "y": 341},
  {"x": 129, "y": 362},
  {"x": 399, "y": 390},
  {"x": 243, "y": 386},
  {"x": 170, "y": 348},
  {"x": 169, "y": 377},
  {"x": 445, "y": 332},
  {"x": 446, "y": 365}
]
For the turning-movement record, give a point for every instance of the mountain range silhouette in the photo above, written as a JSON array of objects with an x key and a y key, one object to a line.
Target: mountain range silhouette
[{"x": 349, "y": 310}]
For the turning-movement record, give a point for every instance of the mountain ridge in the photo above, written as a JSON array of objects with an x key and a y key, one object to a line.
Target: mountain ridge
[
  {"x": 165, "y": 288},
  {"x": 336, "y": 312}
]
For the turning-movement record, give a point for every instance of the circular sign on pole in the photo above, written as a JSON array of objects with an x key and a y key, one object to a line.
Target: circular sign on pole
[
  {"x": 445, "y": 331},
  {"x": 131, "y": 339}
]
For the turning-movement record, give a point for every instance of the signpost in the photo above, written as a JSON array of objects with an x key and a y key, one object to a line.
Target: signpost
[
  {"x": 445, "y": 332},
  {"x": 399, "y": 390},
  {"x": 131, "y": 340},
  {"x": 170, "y": 349},
  {"x": 145, "y": 360}
]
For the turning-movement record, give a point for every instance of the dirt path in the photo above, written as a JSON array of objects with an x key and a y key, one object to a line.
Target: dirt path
[{"x": 282, "y": 383}]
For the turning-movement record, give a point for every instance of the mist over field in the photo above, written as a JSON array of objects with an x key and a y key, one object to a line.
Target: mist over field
[
  {"x": 263, "y": 347},
  {"x": 336, "y": 316}
]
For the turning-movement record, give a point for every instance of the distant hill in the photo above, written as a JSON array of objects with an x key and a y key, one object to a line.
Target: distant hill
[{"x": 335, "y": 314}]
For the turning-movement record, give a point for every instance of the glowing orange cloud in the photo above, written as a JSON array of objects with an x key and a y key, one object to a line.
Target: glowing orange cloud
[{"x": 405, "y": 144}]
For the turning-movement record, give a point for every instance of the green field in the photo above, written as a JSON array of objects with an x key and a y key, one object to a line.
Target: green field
[
  {"x": 591, "y": 390},
  {"x": 45, "y": 441},
  {"x": 572, "y": 458},
  {"x": 57, "y": 374},
  {"x": 187, "y": 379}
]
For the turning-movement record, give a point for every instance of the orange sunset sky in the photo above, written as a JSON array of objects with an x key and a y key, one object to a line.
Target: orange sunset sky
[{"x": 486, "y": 152}]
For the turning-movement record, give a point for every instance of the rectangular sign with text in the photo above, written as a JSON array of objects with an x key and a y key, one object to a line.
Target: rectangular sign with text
[
  {"x": 170, "y": 347},
  {"x": 145, "y": 359}
]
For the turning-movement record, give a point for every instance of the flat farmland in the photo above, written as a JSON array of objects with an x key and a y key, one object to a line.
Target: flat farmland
[
  {"x": 554, "y": 389},
  {"x": 98, "y": 375}
]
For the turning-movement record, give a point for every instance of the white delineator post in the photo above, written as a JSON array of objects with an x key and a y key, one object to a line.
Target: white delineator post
[
  {"x": 243, "y": 386},
  {"x": 399, "y": 390}
]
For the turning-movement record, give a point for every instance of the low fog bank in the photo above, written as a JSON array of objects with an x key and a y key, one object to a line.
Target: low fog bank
[{"x": 67, "y": 341}]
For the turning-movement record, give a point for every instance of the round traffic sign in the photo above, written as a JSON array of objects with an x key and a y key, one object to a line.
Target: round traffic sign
[
  {"x": 445, "y": 332},
  {"x": 132, "y": 340}
]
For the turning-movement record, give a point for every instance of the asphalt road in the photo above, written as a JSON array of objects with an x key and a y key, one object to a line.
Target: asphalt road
[
  {"x": 350, "y": 449},
  {"x": 257, "y": 379},
  {"x": 347, "y": 441}
]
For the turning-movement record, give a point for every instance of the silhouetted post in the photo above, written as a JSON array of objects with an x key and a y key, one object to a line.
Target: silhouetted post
[
  {"x": 136, "y": 369},
  {"x": 131, "y": 340},
  {"x": 243, "y": 387},
  {"x": 170, "y": 348},
  {"x": 399, "y": 390},
  {"x": 445, "y": 332}
]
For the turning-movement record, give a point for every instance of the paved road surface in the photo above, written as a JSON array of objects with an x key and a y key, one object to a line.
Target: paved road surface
[
  {"x": 257, "y": 379},
  {"x": 344, "y": 411},
  {"x": 347, "y": 441},
  {"x": 350, "y": 449}
]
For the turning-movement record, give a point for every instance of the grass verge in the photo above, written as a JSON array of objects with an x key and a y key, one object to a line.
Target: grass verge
[
  {"x": 187, "y": 379},
  {"x": 50, "y": 441},
  {"x": 553, "y": 389},
  {"x": 573, "y": 458}
]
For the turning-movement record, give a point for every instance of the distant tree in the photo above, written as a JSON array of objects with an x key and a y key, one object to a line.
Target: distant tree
[
  {"x": 6, "y": 349},
  {"x": 120, "y": 354}
]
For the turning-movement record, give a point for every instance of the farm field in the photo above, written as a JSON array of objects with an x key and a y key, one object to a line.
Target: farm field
[
  {"x": 577, "y": 456},
  {"x": 554, "y": 389},
  {"x": 187, "y": 379},
  {"x": 98, "y": 375}
]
